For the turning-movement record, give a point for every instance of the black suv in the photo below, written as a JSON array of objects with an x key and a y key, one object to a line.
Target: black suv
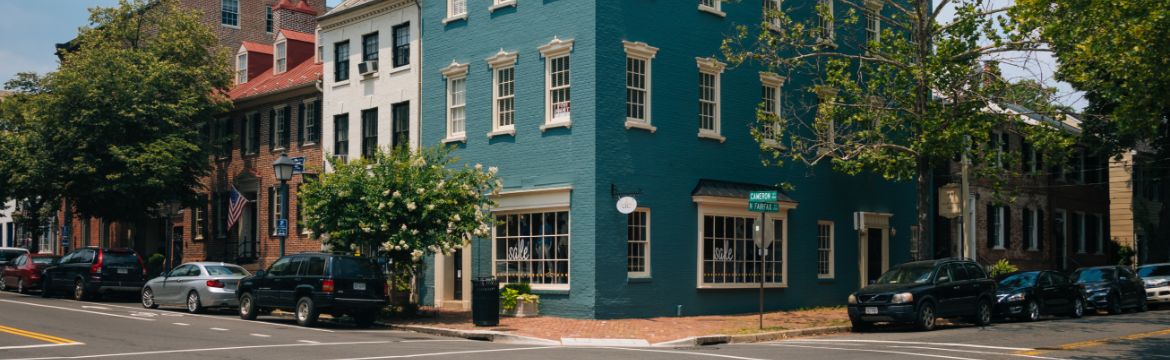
[
  {"x": 91, "y": 271},
  {"x": 922, "y": 291},
  {"x": 313, "y": 283}
]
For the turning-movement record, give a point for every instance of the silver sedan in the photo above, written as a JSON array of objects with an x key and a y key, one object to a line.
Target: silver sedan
[{"x": 195, "y": 285}]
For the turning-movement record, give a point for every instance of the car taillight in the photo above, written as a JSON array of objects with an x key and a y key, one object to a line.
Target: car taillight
[
  {"x": 96, "y": 268},
  {"x": 327, "y": 286},
  {"x": 215, "y": 283}
]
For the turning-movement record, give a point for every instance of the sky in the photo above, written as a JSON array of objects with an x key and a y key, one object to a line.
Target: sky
[{"x": 30, "y": 30}]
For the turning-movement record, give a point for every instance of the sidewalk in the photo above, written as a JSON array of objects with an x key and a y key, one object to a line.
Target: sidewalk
[{"x": 653, "y": 330}]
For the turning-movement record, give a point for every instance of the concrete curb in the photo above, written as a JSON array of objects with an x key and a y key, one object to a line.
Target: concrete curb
[
  {"x": 753, "y": 338},
  {"x": 480, "y": 335}
]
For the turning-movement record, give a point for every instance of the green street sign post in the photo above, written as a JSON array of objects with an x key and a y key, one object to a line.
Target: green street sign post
[
  {"x": 763, "y": 207},
  {"x": 762, "y": 202},
  {"x": 762, "y": 196}
]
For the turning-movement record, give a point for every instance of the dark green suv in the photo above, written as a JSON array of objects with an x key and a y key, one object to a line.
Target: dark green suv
[
  {"x": 314, "y": 283},
  {"x": 920, "y": 292}
]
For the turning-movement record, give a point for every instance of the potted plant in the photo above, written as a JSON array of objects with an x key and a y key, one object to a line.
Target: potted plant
[{"x": 517, "y": 300}]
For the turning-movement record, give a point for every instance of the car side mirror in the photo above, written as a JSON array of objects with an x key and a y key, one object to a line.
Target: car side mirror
[
  {"x": 261, "y": 273},
  {"x": 943, "y": 279}
]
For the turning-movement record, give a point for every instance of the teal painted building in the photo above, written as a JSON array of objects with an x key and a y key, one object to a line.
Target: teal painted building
[{"x": 581, "y": 102}]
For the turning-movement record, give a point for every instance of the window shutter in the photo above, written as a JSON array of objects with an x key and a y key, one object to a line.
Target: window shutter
[
  {"x": 284, "y": 135},
  {"x": 301, "y": 124},
  {"x": 990, "y": 226},
  {"x": 1027, "y": 217},
  {"x": 1007, "y": 227},
  {"x": 1026, "y": 150},
  {"x": 319, "y": 119},
  {"x": 271, "y": 129},
  {"x": 1039, "y": 229},
  {"x": 271, "y": 210},
  {"x": 243, "y": 135}
]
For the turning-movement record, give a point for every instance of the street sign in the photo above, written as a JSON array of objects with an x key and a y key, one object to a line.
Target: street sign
[
  {"x": 282, "y": 227},
  {"x": 762, "y": 196},
  {"x": 298, "y": 164},
  {"x": 763, "y": 207}
]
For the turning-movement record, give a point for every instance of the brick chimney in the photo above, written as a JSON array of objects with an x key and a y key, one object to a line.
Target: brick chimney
[{"x": 295, "y": 15}]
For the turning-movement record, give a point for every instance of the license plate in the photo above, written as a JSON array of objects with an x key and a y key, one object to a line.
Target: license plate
[
  {"x": 123, "y": 271},
  {"x": 359, "y": 286},
  {"x": 871, "y": 311}
]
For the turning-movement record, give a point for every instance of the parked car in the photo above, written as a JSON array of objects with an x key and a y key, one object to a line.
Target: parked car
[
  {"x": 92, "y": 271},
  {"x": 920, "y": 292},
  {"x": 1157, "y": 283},
  {"x": 196, "y": 285},
  {"x": 314, "y": 283},
  {"x": 24, "y": 273},
  {"x": 1112, "y": 288},
  {"x": 1028, "y": 294},
  {"x": 7, "y": 254}
]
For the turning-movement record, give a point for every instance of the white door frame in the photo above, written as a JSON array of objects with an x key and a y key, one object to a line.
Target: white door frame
[
  {"x": 870, "y": 220},
  {"x": 444, "y": 288}
]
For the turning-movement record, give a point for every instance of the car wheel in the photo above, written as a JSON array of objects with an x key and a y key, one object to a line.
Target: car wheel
[
  {"x": 20, "y": 287},
  {"x": 79, "y": 292},
  {"x": 983, "y": 313},
  {"x": 247, "y": 307},
  {"x": 1114, "y": 304},
  {"x": 1078, "y": 308},
  {"x": 1033, "y": 312},
  {"x": 194, "y": 304},
  {"x": 1143, "y": 307},
  {"x": 307, "y": 312},
  {"x": 926, "y": 317},
  {"x": 148, "y": 298},
  {"x": 862, "y": 326},
  {"x": 3, "y": 285},
  {"x": 365, "y": 319}
]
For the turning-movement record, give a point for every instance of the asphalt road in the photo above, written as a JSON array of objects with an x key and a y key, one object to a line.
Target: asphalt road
[{"x": 36, "y": 328}]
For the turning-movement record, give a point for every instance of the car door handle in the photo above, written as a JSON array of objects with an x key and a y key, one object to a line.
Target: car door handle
[{"x": 956, "y": 287}]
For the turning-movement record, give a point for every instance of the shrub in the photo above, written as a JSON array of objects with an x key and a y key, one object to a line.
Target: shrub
[{"x": 1002, "y": 267}]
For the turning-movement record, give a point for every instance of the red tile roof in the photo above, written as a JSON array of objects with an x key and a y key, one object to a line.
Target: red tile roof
[
  {"x": 298, "y": 36},
  {"x": 301, "y": 6},
  {"x": 306, "y": 72},
  {"x": 257, "y": 47}
]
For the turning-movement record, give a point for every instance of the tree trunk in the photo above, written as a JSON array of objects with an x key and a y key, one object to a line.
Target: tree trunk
[{"x": 923, "y": 192}]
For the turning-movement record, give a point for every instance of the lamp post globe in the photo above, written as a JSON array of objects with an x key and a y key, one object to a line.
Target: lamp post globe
[{"x": 283, "y": 168}]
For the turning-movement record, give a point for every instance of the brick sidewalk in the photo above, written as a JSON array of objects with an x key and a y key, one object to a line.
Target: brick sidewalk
[{"x": 653, "y": 330}]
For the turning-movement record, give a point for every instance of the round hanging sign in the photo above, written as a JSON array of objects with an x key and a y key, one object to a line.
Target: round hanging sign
[{"x": 627, "y": 204}]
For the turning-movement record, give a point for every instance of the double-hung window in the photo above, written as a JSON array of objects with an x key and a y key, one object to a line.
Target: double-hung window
[
  {"x": 825, "y": 266},
  {"x": 400, "y": 132},
  {"x": 369, "y": 133},
  {"x": 712, "y": 6},
  {"x": 251, "y": 134},
  {"x": 199, "y": 219},
  {"x": 277, "y": 205},
  {"x": 997, "y": 227},
  {"x": 456, "y": 8},
  {"x": 709, "y": 107},
  {"x": 370, "y": 47},
  {"x": 873, "y": 26},
  {"x": 638, "y": 243},
  {"x": 341, "y": 135},
  {"x": 310, "y": 122},
  {"x": 280, "y": 121},
  {"x": 1032, "y": 230},
  {"x": 556, "y": 82},
  {"x": 825, "y": 30},
  {"x": 533, "y": 248},
  {"x": 456, "y": 75},
  {"x": 229, "y": 13},
  {"x": 401, "y": 45},
  {"x": 241, "y": 68},
  {"x": 772, "y": 13},
  {"x": 268, "y": 19},
  {"x": 503, "y": 92},
  {"x": 341, "y": 61},
  {"x": 770, "y": 84},
  {"x": 638, "y": 84},
  {"x": 281, "y": 57}
]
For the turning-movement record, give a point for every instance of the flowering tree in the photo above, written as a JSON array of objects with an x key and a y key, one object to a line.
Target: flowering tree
[{"x": 404, "y": 202}]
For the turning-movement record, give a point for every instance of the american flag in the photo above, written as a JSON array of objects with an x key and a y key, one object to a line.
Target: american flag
[{"x": 236, "y": 207}]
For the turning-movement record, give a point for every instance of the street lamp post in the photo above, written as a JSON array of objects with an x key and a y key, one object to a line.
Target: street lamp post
[{"x": 283, "y": 167}]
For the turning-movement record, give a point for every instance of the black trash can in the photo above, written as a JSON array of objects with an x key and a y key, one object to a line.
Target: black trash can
[{"x": 485, "y": 301}]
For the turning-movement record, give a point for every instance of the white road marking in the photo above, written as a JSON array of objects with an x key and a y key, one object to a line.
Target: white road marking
[
  {"x": 181, "y": 351},
  {"x": 76, "y": 310},
  {"x": 684, "y": 353},
  {"x": 181, "y": 324},
  {"x": 39, "y": 346},
  {"x": 94, "y": 307},
  {"x": 436, "y": 340},
  {"x": 261, "y": 335},
  {"x": 235, "y": 319},
  {"x": 909, "y": 343},
  {"x": 450, "y": 353},
  {"x": 877, "y": 351},
  {"x": 219, "y": 329},
  {"x": 309, "y": 341},
  {"x": 976, "y": 352}
]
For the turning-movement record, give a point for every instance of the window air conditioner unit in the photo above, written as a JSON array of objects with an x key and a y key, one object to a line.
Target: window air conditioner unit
[{"x": 368, "y": 67}]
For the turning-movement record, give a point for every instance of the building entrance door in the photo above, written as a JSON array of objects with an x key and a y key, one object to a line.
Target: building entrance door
[
  {"x": 874, "y": 251},
  {"x": 458, "y": 275}
]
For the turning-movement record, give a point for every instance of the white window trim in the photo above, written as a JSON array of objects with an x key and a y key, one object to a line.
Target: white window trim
[
  {"x": 1081, "y": 233},
  {"x": 645, "y": 273},
  {"x": 831, "y": 28},
  {"x": 721, "y": 206},
  {"x": 641, "y": 51},
  {"x": 452, "y": 16},
  {"x": 713, "y": 67},
  {"x": 832, "y": 249},
  {"x": 277, "y": 67},
  {"x": 242, "y": 67},
  {"x": 500, "y": 61},
  {"x": 553, "y": 287},
  {"x": 555, "y": 49},
  {"x": 1100, "y": 233},
  {"x": 500, "y": 4},
  {"x": 717, "y": 10},
  {"x": 455, "y": 71},
  {"x": 769, "y": 79},
  {"x": 278, "y": 121},
  {"x": 874, "y": 10}
]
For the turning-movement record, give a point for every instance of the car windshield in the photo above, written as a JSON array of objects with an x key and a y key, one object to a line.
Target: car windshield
[
  {"x": 916, "y": 274},
  {"x": 225, "y": 270},
  {"x": 1020, "y": 280},
  {"x": 119, "y": 258},
  {"x": 1094, "y": 275},
  {"x": 43, "y": 260},
  {"x": 1154, "y": 270},
  {"x": 347, "y": 267}
]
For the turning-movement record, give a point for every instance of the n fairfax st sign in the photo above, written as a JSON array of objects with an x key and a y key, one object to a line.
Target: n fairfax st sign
[{"x": 763, "y": 207}]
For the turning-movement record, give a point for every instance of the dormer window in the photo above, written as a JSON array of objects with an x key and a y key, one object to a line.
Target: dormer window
[
  {"x": 281, "y": 57},
  {"x": 242, "y": 68}
]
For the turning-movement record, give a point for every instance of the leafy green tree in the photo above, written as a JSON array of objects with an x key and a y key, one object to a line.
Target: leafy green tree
[
  {"x": 406, "y": 203},
  {"x": 31, "y": 171},
  {"x": 131, "y": 103},
  {"x": 895, "y": 104}
]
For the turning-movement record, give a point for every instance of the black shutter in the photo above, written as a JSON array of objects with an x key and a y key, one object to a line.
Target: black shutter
[
  {"x": 990, "y": 226},
  {"x": 243, "y": 134},
  {"x": 271, "y": 129},
  {"x": 301, "y": 124},
  {"x": 1027, "y": 217},
  {"x": 1040, "y": 229},
  {"x": 1007, "y": 227},
  {"x": 320, "y": 121},
  {"x": 285, "y": 139},
  {"x": 271, "y": 210},
  {"x": 1026, "y": 150}
]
